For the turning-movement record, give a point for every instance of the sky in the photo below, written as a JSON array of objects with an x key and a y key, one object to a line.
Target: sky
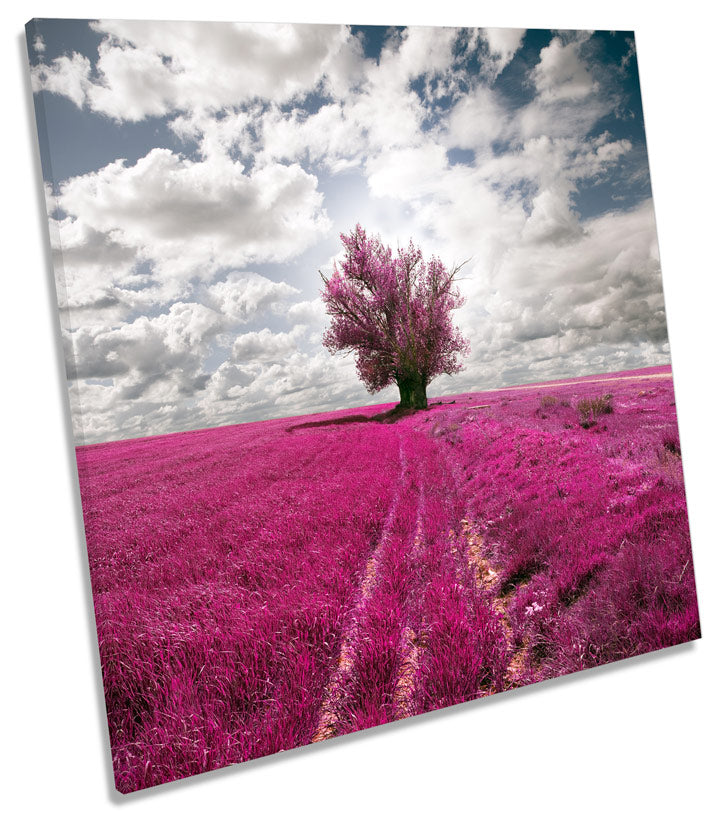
[{"x": 198, "y": 177}]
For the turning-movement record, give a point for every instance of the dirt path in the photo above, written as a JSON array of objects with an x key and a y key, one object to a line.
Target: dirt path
[
  {"x": 411, "y": 639},
  {"x": 405, "y": 550},
  {"x": 487, "y": 584},
  {"x": 426, "y": 532},
  {"x": 337, "y": 689}
]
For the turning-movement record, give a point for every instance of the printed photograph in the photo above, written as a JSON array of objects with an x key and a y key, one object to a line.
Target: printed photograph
[{"x": 368, "y": 371}]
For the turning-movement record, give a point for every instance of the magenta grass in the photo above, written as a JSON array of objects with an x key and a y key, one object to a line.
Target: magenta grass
[{"x": 263, "y": 586}]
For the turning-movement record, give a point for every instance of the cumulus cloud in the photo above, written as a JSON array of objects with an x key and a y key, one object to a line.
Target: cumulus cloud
[
  {"x": 382, "y": 113},
  {"x": 300, "y": 383},
  {"x": 130, "y": 376},
  {"x": 333, "y": 136},
  {"x": 502, "y": 43},
  {"x": 216, "y": 134},
  {"x": 561, "y": 73},
  {"x": 524, "y": 196},
  {"x": 189, "y": 276},
  {"x": 166, "y": 205},
  {"x": 307, "y": 312},
  {"x": 408, "y": 173},
  {"x": 94, "y": 270},
  {"x": 146, "y": 346},
  {"x": 68, "y": 76},
  {"x": 416, "y": 52},
  {"x": 599, "y": 291},
  {"x": 476, "y": 120},
  {"x": 145, "y": 69},
  {"x": 188, "y": 219},
  {"x": 242, "y": 296},
  {"x": 552, "y": 220},
  {"x": 266, "y": 345}
]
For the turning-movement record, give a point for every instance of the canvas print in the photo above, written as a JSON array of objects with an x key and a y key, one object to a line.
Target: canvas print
[{"x": 368, "y": 369}]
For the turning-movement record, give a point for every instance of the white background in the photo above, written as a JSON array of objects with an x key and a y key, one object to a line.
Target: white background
[{"x": 635, "y": 739}]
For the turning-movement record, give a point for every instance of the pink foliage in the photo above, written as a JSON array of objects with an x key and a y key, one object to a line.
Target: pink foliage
[
  {"x": 263, "y": 586},
  {"x": 393, "y": 311}
]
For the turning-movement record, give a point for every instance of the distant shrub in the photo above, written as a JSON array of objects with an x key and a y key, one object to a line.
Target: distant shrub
[
  {"x": 589, "y": 408},
  {"x": 671, "y": 443},
  {"x": 547, "y": 401},
  {"x": 669, "y": 451}
]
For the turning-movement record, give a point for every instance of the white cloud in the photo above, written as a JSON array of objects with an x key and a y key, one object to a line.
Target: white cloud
[
  {"x": 561, "y": 73},
  {"x": 407, "y": 173},
  {"x": 308, "y": 312},
  {"x": 300, "y": 383},
  {"x": 418, "y": 51},
  {"x": 631, "y": 52},
  {"x": 153, "y": 69},
  {"x": 552, "y": 220},
  {"x": 190, "y": 219},
  {"x": 543, "y": 284},
  {"x": 381, "y": 114},
  {"x": 142, "y": 377},
  {"x": 476, "y": 120},
  {"x": 67, "y": 76},
  {"x": 384, "y": 113},
  {"x": 503, "y": 43},
  {"x": 332, "y": 136},
  {"x": 156, "y": 346},
  {"x": 217, "y": 134},
  {"x": 266, "y": 345},
  {"x": 297, "y": 383},
  {"x": 241, "y": 296},
  {"x": 96, "y": 270},
  {"x": 602, "y": 287}
]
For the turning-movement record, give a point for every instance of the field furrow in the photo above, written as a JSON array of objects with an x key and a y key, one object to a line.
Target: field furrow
[
  {"x": 263, "y": 586},
  {"x": 368, "y": 695},
  {"x": 413, "y": 634},
  {"x": 334, "y": 709}
]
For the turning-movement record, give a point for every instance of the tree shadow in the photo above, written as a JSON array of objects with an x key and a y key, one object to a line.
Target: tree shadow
[
  {"x": 333, "y": 422},
  {"x": 390, "y": 416}
]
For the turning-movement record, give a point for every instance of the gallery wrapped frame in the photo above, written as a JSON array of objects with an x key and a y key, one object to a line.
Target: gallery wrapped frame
[{"x": 274, "y": 561}]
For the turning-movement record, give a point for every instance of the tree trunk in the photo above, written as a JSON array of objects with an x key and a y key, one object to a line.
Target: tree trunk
[{"x": 412, "y": 391}]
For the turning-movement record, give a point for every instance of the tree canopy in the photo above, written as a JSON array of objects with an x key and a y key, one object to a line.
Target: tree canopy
[{"x": 394, "y": 310}]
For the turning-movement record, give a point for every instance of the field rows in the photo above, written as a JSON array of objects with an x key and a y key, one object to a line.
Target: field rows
[{"x": 264, "y": 586}]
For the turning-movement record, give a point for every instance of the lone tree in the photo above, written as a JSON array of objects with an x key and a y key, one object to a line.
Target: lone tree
[{"x": 394, "y": 312}]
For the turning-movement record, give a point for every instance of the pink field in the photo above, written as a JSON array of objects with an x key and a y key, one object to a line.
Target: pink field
[{"x": 263, "y": 586}]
